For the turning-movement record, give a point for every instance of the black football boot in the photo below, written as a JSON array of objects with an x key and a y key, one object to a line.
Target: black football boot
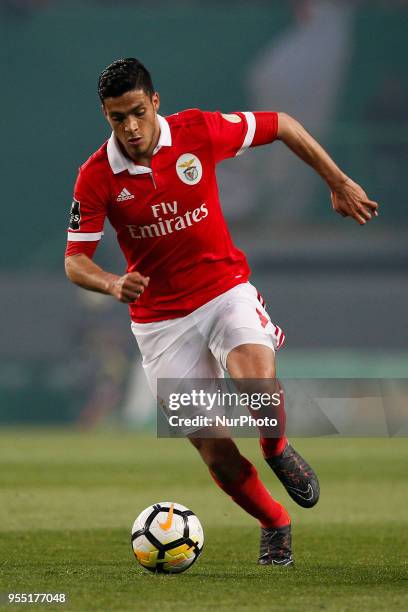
[
  {"x": 276, "y": 546},
  {"x": 298, "y": 478}
]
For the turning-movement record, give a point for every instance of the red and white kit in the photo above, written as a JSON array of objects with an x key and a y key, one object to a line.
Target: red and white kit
[{"x": 170, "y": 227}]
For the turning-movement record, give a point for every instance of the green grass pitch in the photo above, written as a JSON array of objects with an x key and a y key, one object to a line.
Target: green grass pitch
[{"x": 68, "y": 501}]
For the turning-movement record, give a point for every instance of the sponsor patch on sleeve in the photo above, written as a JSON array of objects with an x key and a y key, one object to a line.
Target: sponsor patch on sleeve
[
  {"x": 232, "y": 118},
  {"x": 74, "y": 216}
]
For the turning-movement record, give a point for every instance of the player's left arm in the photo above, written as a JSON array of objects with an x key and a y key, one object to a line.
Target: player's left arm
[{"x": 348, "y": 198}]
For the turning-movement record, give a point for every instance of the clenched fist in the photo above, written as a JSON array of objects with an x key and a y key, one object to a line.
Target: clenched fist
[{"x": 129, "y": 287}]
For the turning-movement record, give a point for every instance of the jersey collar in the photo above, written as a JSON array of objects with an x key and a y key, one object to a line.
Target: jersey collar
[{"x": 119, "y": 162}]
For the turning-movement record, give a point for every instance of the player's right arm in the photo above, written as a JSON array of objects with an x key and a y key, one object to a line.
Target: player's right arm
[
  {"x": 88, "y": 212},
  {"x": 82, "y": 271}
]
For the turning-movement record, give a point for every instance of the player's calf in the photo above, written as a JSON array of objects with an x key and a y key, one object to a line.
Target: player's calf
[
  {"x": 245, "y": 488},
  {"x": 221, "y": 456}
]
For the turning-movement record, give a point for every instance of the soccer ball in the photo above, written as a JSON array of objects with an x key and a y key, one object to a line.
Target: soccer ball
[{"x": 167, "y": 537}]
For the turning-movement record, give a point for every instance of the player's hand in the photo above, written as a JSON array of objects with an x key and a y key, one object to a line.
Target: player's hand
[
  {"x": 129, "y": 287},
  {"x": 350, "y": 200}
]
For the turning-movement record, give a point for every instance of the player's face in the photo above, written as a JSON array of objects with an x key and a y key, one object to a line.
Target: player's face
[{"x": 133, "y": 119}]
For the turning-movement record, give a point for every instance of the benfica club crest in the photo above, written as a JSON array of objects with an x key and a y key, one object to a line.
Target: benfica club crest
[
  {"x": 189, "y": 169},
  {"x": 190, "y": 172}
]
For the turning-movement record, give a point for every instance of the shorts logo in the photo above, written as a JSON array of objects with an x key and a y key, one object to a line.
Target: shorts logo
[
  {"x": 264, "y": 321},
  {"x": 189, "y": 169},
  {"x": 75, "y": 216}
]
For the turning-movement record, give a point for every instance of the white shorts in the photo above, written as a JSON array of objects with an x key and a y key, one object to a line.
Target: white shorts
[{"x": 197, "y": 345}]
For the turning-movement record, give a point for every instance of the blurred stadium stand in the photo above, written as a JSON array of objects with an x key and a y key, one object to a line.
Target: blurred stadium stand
[{"x": 338, "y": 290}]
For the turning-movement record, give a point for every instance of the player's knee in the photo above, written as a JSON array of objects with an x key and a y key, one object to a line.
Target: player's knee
[{"x": 251, "y": 361}]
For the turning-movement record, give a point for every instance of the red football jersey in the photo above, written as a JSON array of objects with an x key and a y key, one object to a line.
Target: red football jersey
[{"x": 168, "y": 217}]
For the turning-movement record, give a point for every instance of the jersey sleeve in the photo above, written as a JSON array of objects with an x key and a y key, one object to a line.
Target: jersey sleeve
[
  {"x": 87, "y": 216},
  {"x": 232, "y": 134}
]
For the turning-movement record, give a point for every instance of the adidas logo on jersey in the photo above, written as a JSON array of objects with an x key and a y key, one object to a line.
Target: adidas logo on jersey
[{"x": 124, "y": 195}]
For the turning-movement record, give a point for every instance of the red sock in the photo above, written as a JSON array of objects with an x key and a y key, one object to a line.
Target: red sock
[
  {"x": 249, "y": 492},
  {"x": 271, "y": 447}
]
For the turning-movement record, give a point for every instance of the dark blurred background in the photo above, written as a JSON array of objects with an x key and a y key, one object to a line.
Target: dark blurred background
[{"x": 339, "y": 291}]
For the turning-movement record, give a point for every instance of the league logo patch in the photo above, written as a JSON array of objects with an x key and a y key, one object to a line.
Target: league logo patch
[
  {"x": 74, "y": 216},
  {"x": 189, "y": 169}
]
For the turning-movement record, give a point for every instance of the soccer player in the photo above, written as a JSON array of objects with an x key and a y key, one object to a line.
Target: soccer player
[{"x": 194, "y": 313}]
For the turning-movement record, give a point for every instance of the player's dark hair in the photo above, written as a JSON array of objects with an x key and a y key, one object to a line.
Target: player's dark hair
[{"x": 122, "y": 76}]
